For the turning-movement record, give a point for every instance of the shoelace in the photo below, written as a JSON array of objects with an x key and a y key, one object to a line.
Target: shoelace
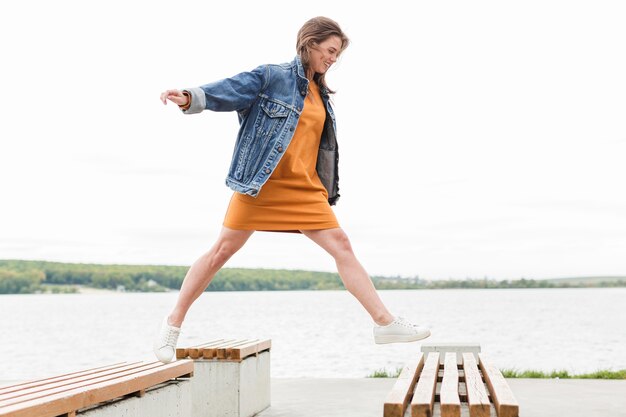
[
  {"x": 403, "y": 322},
  {"x": 171, "y": 337}
]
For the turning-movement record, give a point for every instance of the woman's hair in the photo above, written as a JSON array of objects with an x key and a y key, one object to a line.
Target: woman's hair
[{"x": 316, "y": 31}]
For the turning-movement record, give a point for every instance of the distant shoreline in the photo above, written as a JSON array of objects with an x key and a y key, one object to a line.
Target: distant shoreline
[
  {"x": 32, "y": 277},
  {"x": 93, "y": 290},
  {"x": 104, "y": 291}
]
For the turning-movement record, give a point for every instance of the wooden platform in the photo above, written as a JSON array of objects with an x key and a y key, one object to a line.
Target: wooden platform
[
  {"x": 435, "y": 384},
  {"x": 64, "y": 395},
  {"x": 225, "y": 349}
]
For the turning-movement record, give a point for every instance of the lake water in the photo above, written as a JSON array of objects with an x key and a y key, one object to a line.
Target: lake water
[{"x": 318, "y": 333}]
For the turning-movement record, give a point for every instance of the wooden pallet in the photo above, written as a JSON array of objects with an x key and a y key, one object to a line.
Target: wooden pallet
[
  {"x": 225, "y": 349},
  {"x": 473, "y": 388},
  {"x": 64, "y": 395}
]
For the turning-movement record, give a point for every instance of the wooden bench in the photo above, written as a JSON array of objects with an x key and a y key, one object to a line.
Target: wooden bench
[
  {"x": 231, "y": 377},
  {"x": 81, "y": 392},
  {"x": 451, "y": 384}
]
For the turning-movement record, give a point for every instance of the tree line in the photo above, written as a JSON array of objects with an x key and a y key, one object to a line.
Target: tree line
[{"x": 24, "y": 277}]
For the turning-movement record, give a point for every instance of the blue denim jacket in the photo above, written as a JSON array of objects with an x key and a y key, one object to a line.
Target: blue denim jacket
[{"x": 269, "y": 101}]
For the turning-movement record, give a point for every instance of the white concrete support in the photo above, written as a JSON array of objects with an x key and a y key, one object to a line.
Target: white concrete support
[
  {"x": 222, "y": 388},
  {"x": 172, "y": 399},
  {"x": 458, "y": 348}
]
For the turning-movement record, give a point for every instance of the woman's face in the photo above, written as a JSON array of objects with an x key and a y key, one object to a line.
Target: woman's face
[{"x": 323, "y": 55}]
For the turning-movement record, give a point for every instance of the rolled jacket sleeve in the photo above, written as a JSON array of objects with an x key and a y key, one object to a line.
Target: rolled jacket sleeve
[{"x": 235, "y": 93}]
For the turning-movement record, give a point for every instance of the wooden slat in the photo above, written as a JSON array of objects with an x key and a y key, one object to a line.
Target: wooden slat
[
  {"x": 75, "y": 383},
  {"x": 224, "y": 351},
  {"x": 477, "y": 398},
  {"x": 505, "y": 402},
  {"x": 47, "y": 385},
  {"x": 39, "y": 382},
  {"x": 400, "y": 395},
  {"x": 424, "y": 395},
  {"x": 210, "y": 352},
  {"x": 65, "y": 400},
  {"x": 195, "y": 352},
  {"x": 449, "y": 394},
  {"x": 248, "y": 349},
  {"x": 200, "y": 352},
  {"x": 182, "y": 353}
]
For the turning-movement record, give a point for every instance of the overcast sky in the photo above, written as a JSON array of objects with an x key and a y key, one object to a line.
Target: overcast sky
[{"x": 482, "y": 138}]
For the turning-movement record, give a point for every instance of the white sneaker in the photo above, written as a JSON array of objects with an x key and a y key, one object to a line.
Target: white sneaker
[
  {"x": 165, "y": 343},
  {"x": 400, "y": 330}
]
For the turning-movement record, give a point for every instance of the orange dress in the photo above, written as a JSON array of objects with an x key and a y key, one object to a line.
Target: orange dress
[{"x": 293, "y": 198}]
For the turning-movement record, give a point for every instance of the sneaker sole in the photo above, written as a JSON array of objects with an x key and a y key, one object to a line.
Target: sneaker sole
[
  {"x": 163, "y": 357},
  {"x": 383, "y": 339}
]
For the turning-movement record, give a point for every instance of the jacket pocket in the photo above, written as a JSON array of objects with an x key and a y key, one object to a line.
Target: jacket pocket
[
  {"x": 269, "y": 123},
  {"x": 271, "y": 118}
]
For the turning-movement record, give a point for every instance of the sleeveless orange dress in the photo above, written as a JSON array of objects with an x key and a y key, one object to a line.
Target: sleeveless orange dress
[{"x": 293, "y": 198}]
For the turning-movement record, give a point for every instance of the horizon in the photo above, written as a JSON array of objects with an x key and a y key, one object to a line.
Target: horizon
[{"x": 590, "y": 277}]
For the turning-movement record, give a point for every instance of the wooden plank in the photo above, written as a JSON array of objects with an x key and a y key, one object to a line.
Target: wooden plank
[
  {"x": 182, "y": 353},
  {"x": 400, "y": 395},
  {"x": 505, "y": 402},
  {"x": 449, "y": 394},
  {"x": 224, "y": 351},
  {"x": 253, "y": 348},
  {"x": 196, "y": 351},
  {"x": 211, "y": 351},
  {"x": 443, "y": 348},
  {"x": 424, "y": 395},
  {"x": 46, "y": 385},
  {"x": 64, "y": 400},
  {"x": 74, "y": 383},
  {"x": 477, "y": 398},
  {"x": 7, "y": 389}
]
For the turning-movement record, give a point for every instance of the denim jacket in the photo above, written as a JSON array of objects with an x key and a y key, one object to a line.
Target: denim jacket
[{"x": 269, "y": 101}]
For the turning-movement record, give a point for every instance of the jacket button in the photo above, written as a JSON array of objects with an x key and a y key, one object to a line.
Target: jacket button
[
  {"x": 280, "y": 149},
  {"x": 267, "y": 170},
  {"x": 291, "y": 129},
  {"x": 303, "y": 92}
]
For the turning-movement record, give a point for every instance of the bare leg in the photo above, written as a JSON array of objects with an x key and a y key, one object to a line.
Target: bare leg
[
  {"x": 204, "y": 269},
  {"x": 354, "y": 277}
]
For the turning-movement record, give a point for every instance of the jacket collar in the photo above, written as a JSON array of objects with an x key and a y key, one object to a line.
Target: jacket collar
[{"x": 303, "y": 81}]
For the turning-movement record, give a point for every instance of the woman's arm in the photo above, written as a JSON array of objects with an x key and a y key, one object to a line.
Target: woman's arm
[{"x": 230, "y": 94}]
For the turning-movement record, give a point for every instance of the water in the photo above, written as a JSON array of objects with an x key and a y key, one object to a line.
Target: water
[{"x": 318, "y": 333}]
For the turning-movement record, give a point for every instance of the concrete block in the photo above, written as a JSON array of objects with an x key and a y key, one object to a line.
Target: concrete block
[
  {"x": 459, "y": 348},
  {"x": 224, "y": 388},
  {"x": 171, "y": 399}
]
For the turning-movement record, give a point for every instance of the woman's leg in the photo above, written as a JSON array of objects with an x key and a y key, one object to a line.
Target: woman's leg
[
  {"x": 204, "y": 269},
  {"x": 354, "y": 277}
]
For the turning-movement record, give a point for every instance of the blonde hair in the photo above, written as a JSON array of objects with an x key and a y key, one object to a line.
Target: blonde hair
[{"x": 316, "y": 31}]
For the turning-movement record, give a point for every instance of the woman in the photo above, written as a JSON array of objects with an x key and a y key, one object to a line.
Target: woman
[{"x": 283, "y": 172}]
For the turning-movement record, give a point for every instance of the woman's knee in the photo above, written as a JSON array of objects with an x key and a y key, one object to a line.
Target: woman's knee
[
  {"x": 227, "y": 245},
  {"x": 341, "y": 244},
  {"x": 223, "y": 252}
]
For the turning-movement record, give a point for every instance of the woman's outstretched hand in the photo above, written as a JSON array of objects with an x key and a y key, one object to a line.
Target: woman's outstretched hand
[{"x": 175, "y": 96}]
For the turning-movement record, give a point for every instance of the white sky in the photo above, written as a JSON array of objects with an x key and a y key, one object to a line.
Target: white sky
[{"x": 482, "y": 138}]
